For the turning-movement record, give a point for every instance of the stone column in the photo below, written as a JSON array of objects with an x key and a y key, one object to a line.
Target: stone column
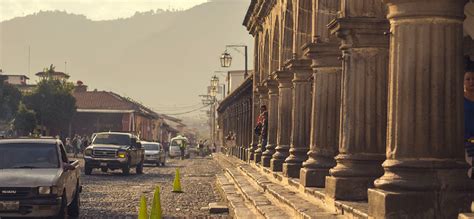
[
  {"x": 255, "y": 109},
  {"x": 263, "y": 94},
  {"x": 301, "y": 117},
  {"x": 364, "y": 99},
  {"x": 425, "y": 172},
  {"x": 272, "y": 107},
  {"x": 325, "y": 113},
  {"x": 284, "y": 119}
]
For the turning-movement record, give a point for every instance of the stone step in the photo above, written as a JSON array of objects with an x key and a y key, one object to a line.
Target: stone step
[
  {"x": 238, "y": 207},
  {"x": 300, "y": 206},
  {"x": 293, "y": 204},
  {"x": 258, "y": 199}
]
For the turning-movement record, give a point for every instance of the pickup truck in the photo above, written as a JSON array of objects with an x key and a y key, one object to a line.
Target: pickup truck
[
  {"x": 114, "y": 150},
  {"x": 37, "y": 179}
]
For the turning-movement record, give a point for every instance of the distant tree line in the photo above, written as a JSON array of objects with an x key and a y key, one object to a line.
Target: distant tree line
[{"x": 48, "y": 110}]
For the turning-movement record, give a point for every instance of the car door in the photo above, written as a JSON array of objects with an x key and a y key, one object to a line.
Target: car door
[{"x": 69, "y": 175}]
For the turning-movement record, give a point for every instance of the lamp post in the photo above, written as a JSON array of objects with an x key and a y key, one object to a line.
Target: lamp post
[{"x": 226, "y": 58}]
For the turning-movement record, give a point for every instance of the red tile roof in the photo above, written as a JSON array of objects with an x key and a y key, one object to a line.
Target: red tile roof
[{"x": 102, "y": 100}]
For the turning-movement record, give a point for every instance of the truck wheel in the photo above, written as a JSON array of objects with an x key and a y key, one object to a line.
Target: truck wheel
[
  {"x": 73, "y": 209},
  {"x": 87, "y": 169},
  {"x": 139, "y": 168},
  {"x": 63, "y": 212},
  {"x": 126, "y": 169}
]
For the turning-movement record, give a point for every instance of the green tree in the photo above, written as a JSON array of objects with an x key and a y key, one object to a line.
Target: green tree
[
  {"x": 25, "y": 120},
  {"x": 53, "y": 103},
  {"x": 10, "y": 97}
]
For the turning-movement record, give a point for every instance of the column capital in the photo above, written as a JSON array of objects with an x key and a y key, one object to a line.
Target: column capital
[
  {"x": 360, "y": 32},
  {"x": 323, "y": 54},
  {"x": 272, "y": 86},
  {"x": 423, "y": 8},
  {"x": 283, "y": 77},
  {"x": 262, "y": 90}
]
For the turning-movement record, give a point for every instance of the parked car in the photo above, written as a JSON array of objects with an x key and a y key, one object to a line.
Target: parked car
[
  {"x": 176, "y": 143},
  {"x": 37, "y": 179},
  {"x": 154, "y": 153},
  {"x": 114, "y": 150}
]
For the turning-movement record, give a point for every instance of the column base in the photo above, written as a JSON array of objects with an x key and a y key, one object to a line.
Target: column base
[
  {"x": 348, "y": 188},
  {"x": 257, "y": 157},
  {"x": 292, "y": 170},
  {"x": 313, "y": 177},
  {"x": 276, "y": 165},
  {"x": 266, "y": 161},
  {"x": 385, "y": 204}
]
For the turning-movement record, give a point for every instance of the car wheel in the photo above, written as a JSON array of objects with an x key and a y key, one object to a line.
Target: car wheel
[
  {"x": 126, "y": 169},
  {"x": 163, "y": 163},
  {"x": 157, "y": 163},
  {"x": 87, "y": 169},
  {"x": 104, "y": 169},
  {"x": 63, "y": 212},
  {"x": 73, "y": 209},
  {"x": 139, "y": 168}
]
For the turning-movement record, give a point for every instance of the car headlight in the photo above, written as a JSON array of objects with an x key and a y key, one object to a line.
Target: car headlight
[
  {"x": 88, "y": 152},
  {"x": 122, "y": 154},
  {"x": 47, "y": 190}
]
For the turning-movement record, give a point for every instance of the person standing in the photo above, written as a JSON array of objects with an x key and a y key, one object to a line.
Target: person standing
[
  {"x": 469, "y": 113},
  {"x": 262, "y": 125}
]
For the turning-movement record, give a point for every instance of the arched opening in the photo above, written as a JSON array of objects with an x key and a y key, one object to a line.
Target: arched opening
[
  {"x": 266, "y": 55},
  {"x": 287, "y": 40},
  {"x": 303, "y": 33},
  {"x": 275, "y": 61}
]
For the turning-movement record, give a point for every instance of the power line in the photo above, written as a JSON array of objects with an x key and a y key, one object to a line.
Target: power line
[{"x": 194, "y": 110}]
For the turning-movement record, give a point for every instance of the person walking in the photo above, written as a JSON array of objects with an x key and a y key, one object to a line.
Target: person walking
[{"x": 182, "y": 148}]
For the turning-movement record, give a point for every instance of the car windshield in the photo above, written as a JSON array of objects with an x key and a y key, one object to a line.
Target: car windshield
[
  {"x": 28, "y": 155},
  {"x": 152, "y": 147},
  {"x": 112, "y": 139}
]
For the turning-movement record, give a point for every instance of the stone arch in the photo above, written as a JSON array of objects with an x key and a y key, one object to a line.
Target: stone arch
[
  {"x": 303, "y": 28},
  {"x": 287, "y": 33},
  {"x": 275, "y": 51}
]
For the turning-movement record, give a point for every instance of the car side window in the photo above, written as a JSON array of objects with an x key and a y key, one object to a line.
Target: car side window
[{"x": 63, "y": 154}]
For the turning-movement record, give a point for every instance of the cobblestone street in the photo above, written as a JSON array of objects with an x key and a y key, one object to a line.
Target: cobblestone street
[{"x": 112, "y": 195}]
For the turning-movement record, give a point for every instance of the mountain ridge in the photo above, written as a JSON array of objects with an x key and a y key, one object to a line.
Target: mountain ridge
[{"x": 147, "y": 57}]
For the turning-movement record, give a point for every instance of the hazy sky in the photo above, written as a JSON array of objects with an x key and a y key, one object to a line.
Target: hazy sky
[{"x": 93, "y": 9}]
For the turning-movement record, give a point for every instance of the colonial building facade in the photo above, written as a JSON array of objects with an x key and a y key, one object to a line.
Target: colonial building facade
[{"x": 364, "y": 99}]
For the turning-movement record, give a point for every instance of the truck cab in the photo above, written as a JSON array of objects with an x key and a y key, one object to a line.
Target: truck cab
[
  {"x": 114, "y": 150},
  {"x": 37, "y": 179}
]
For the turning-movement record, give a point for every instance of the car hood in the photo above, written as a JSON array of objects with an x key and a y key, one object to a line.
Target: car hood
[
  {"x": 108, "y": 146},
  {"x": 28, "y": 177}
]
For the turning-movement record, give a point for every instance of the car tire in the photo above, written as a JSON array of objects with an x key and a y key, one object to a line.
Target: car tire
[
  {"x": 139, "y": 168},
  {"x": 163, "y": 163},
  {"x": 158, "y": 163},
  {"x": 126, "y": 169},
  {"x": 104, "y": 169},
  {"x": 63, "y": 211},
  {"x": 74, "y": 207},
  {"x": 87, "y": 169}
]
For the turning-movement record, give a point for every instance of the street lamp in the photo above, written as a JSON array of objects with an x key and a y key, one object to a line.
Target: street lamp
[
  {"x": 214, "y": 82},
  {"x": 226, "y": 58}
]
